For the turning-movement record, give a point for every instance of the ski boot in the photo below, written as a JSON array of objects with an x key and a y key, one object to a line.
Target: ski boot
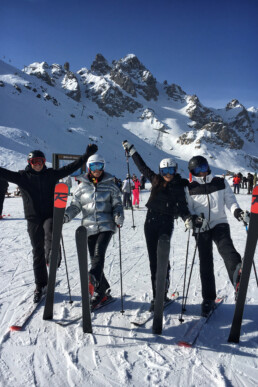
[
  {"x": 99, "y": 299},
  {"x": 38, "y": 293},
  {"x": 207, "y": 306},
  {"x": 92, "y": 284}
]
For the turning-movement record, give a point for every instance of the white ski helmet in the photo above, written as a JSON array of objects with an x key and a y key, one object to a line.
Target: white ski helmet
[
  {"x": 96, "y": 158},
  {"x": 168, "y": 163}
]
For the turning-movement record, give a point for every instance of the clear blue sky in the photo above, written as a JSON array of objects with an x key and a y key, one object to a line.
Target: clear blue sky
[{"x": 208, "y": 47}]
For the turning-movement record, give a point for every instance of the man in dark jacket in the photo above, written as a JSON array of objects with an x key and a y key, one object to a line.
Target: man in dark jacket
[
  {"x": 37, "y": 185},
  {"x": 3, "y": 189}
]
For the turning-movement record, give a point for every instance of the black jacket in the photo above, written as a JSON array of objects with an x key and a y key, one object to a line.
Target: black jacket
[
  {"x": 3, "y": 186},
  {"x": 37, "y": 188},
  {"x": 169, "y": 200}
]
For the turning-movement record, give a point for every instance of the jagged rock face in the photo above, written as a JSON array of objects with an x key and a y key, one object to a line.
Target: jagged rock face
[
  {"x": 200, "y": 114},
  {"x": 141, "y": 80},
  {"x": 40, "y": 70},
  {"x": 175, "y": 92},
  {"x": 100, "y": 65},
  {"x": 113, "y": 101},
  {"x": 233, "y": 104},
  {"x": 242, "y": 123},
  {"x": 70, "y": 83},
  {"x": 215, "y": 133}
]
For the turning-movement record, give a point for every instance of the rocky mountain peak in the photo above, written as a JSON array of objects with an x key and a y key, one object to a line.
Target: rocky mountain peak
[
  {"x": 234, "y": 104},
  {"x": 175, "y": 92},
  {"x": 100, "y": 65}
]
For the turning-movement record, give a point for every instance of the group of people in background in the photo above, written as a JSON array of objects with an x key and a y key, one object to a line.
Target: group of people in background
[{"x": 244, "y": 182}]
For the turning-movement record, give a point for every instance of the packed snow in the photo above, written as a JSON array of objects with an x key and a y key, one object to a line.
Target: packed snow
[{"x": 117, "y": 353}]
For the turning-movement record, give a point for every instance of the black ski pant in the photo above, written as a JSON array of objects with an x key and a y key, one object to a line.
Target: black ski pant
[
  {"x": 157, "y": 224},
  {"x": 127, "y": 200},
  {"x": 98, "y": 244},
  {"x": 40, "y": 232},
  {"x": 220, "y": 234}
]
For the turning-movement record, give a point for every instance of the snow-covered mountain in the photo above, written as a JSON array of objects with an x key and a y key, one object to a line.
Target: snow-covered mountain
[{"x": 51, "y": 108}]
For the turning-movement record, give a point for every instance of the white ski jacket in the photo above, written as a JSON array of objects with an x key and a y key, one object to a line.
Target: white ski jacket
[
  {"x": 99, "y": 204},
  {"x": 209, "y": 197}
]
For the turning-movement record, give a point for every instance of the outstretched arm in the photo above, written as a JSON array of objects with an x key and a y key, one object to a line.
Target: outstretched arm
[
  {"x": 72, "y": 167},
  {"x": 143, "y": 168}
]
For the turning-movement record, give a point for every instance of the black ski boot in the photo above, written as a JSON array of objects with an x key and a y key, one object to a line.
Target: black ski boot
[
  {"x": 92, "y": 284},
  {"x": 207, "y": 306},
  {"x": 99, "y": 298},
  {"x": 38, "y": 293}
]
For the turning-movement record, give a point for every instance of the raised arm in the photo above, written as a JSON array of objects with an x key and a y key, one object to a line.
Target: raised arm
[{"x": 143, "y": 168}]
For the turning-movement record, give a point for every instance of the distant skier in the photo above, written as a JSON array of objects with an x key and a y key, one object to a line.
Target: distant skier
[
  {"x": 167, "y": 201},
  {"x": 37, "y": 184},
  {"x": 209, "y": 195},
  {"x": 99, "y": 199},
  {"x": 127, "y": 192},
  {"x": 250, "y": 183},
  {"x": 236, "y": 183},
  {"x": 142, "y": 181},
  {"x": 3, "y": 189},
  {"x": 136, "y": 191}
]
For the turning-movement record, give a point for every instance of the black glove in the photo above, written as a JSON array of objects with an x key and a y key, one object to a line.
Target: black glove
[
  {"x": 200, "y": 222},
  {"x": 241, "y": 215},
  {"x": 91, "y": 149}
]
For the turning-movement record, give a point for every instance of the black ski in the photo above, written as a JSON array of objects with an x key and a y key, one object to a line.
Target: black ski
[
  {"x": 162, "y": 265},
  {"x": 250, "y": 247},
  {"x": 196, "y": 326},
  {"x": 60, "y": 200},
  {"x": 81, "y": 243},
  {"x": 147, "y": 316}
]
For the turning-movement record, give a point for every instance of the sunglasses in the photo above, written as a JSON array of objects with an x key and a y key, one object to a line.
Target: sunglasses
[
  {"x": 167, "y": 170},
  {"x": 96, "y": 167},
  {"x": 201, "y": 168},
  {"x": 37, "y": 161}
]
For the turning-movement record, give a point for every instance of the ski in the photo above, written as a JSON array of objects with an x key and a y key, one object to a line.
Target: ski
[
  {"x": 60, "y": 200},
  {"x": 77, "y": 318},
  {"x": 23, "y": 319},
  {"x": 149, "y": 315},
  {"x": 196, "y": 326},
  {"x": 161, "y": 274},
  {"x": 81, "y": 243},
  {"x": 250, "y": 247}
]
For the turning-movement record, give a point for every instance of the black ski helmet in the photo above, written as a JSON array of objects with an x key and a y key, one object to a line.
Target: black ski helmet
[
  {"x": 35, "y": 153},
  {"x": 197, "y": 161}
]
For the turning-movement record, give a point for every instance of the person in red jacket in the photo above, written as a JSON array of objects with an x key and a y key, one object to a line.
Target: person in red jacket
[
  {"x": 236, "y": 184},
  {"x": 136, "y": 191}
]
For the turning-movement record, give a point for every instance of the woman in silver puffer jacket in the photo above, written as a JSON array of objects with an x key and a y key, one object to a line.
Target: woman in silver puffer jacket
[{"x": 99, "y": 199}]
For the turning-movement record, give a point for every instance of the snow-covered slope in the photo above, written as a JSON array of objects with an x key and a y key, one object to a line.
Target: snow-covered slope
[{"x": 51, "y": 108}]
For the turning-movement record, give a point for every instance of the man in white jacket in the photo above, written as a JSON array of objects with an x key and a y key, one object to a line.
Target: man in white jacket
[{"x": 208, "y": 196}]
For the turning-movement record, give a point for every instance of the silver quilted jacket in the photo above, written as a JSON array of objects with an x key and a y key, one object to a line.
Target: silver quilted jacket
[{"x": 99, "y": 204}]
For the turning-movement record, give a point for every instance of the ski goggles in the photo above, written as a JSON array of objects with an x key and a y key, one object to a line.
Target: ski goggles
[
  {"x": 37, "y": 161},
  {"x": 96, "y": 167},
  {"x": 167, "y": 170},
  {"x": 202, "y": 168}
]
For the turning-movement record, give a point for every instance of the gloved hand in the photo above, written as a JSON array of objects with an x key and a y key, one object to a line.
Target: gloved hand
[
  {"x": 66, "y": 218},
  {"x": 241, "y": 215},
  {"x": 200, "y": 222},
  {"x": 189, "y": 223},
  {"x": 129, "y": 148},
  {"x": 119, "y": 220},
  {"x": 91, "y": 149}
]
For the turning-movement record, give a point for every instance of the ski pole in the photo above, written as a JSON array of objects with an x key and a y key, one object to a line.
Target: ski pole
[
  {"x": 128, "y": 168},
  {"x": 255, "y": 272},
  {"x": 121, "y": 275},
  {"x": 68, "y": 283},
  {"x": 190, "y": 276},
  {"x": 186, "y": 259}
]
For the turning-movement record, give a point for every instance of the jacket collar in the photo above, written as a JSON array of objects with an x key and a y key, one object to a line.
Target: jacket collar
[{"x": 202, "y": 180}]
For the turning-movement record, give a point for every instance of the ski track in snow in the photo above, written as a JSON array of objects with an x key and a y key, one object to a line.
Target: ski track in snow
[{"x": 117, "y": 353}]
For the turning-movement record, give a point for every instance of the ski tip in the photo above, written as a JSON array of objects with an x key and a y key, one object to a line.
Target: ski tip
[
  {"x": 184, "y": 344},
  {"x": 175, "y": 294},
  {"x": 15, "y": 328}
]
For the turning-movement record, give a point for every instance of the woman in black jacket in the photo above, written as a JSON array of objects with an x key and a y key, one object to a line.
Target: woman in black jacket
[
  {"x": 37, "y": 185},
  {"x": 167, "y": 201}
]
